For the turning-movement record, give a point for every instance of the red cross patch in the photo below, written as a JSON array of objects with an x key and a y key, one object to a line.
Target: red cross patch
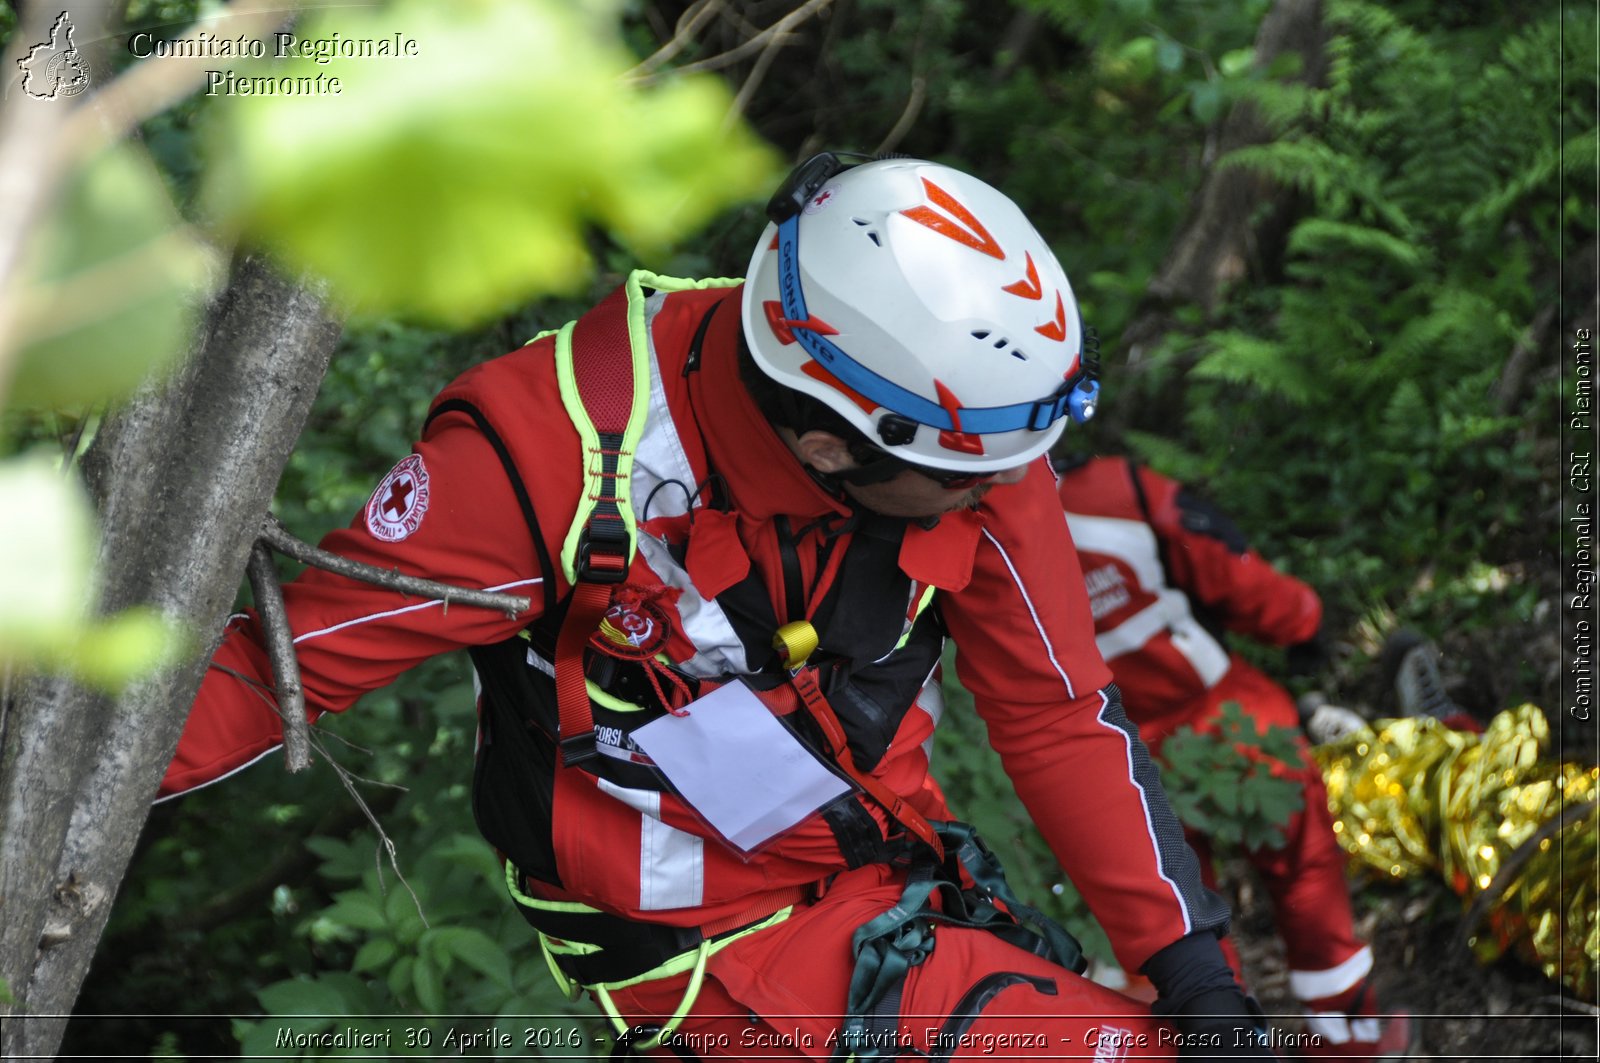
[
  {"x": 820, "y": 200},
  {"x": 397, "y": 506}
]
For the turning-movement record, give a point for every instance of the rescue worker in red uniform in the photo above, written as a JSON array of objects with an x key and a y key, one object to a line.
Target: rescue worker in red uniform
[
  {"x": 748, "y": 515},
  {"x": 1169, "y": 576}
]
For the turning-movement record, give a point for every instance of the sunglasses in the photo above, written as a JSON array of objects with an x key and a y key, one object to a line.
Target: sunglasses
[{"x": 875, "y": 466}]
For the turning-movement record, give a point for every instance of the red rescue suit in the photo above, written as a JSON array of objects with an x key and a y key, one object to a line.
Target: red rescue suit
[
  {"x": 735, "y": 535},
  {"x": 1167, "y": 575}
]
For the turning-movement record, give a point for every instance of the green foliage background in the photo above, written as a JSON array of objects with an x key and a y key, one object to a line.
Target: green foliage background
[{"x": 1340, "y": 402}]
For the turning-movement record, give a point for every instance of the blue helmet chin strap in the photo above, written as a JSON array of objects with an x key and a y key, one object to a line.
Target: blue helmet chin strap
[{"x": 1077, "y": 396}]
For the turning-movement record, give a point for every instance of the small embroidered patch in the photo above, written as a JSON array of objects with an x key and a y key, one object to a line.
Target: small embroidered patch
[
  {"x": 397, "y": 506},
  {"x": 633, "y": 629}
]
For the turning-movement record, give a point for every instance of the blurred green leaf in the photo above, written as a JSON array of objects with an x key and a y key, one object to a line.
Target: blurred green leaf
[
  {"x": 448, "y": 185},
  {"x": 46, "y": 583},
  {"x": 108, "y": 288}
]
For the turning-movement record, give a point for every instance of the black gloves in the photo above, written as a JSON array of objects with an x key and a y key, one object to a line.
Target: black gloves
[{"x": 1214, "y": 1017}]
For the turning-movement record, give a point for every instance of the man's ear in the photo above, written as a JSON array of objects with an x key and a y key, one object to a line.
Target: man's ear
[{"x": 824, "y": 451}]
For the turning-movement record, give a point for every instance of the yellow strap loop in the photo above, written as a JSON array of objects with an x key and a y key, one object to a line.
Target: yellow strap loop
[
  {"x": 691, "y": 992},
  {"x": 797, "y": 641},
  {"x": 568, "y": 986}
]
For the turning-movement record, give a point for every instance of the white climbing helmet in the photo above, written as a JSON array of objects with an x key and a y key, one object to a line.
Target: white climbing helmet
[{"x": 922, "y": 306}]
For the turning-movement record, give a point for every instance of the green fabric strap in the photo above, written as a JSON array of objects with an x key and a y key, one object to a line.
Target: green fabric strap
[{"x": 887, "y": 947}]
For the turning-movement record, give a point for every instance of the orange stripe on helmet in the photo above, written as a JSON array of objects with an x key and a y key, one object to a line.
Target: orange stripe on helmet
[
  {"x": 959, "y": 226},
  {"x": 1057, "y": 329},
  {"x": 1028, "y": 287}
]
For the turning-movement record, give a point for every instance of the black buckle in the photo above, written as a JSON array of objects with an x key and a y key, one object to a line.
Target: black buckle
[
  {"x": 578, "y": 748},
  {"x": 1044, "y": 412},
  {"x": 604, "y": 541},
  {"x": 801, "y": 184}
]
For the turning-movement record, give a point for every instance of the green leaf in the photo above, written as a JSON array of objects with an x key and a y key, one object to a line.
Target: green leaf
[
  {"x": 477, "y": 950},
  {"x": 260, "y": 1039},
  {"x": 358, "y": 909},
  {"x": 400, "y": 908},
  {"x": 46, "y": 583},
  {"x": 375, "y": 954},
  {"x": 457, "y": 182},
  {"x": 108, "y": 288},
  {"x": 298, "y": 996},
  {"x": 48, "y": 528},
  {"x": 1206, "y": 101},
  {"x": 1169, "y": 55},
  {"x": 400, "y": 975},
  {"x": 429, "y": 984},
  {"x": 1237, "y": 61}
]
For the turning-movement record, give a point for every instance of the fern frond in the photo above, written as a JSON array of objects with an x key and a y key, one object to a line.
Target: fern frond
[
  {"x": 1240, "y": 358},
  {"x": 1339, "y": 181},
  {"x": 1319, "y": 237},
  {"x": 1170, "y": 456}
]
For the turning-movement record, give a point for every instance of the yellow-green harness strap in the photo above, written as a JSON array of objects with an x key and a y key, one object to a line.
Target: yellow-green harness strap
[{"x": 603, "y": 372}]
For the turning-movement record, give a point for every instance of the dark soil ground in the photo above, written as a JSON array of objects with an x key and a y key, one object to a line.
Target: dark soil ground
[{"x": 1463, "y": 1010}]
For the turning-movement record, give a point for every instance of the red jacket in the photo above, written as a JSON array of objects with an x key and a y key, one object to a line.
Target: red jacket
[
  {"x": 1166, "y": 576},
  {"x": 500, "y": 457}
]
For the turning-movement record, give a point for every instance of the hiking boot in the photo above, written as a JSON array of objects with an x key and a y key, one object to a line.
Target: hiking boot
[
  {"x": 1411, "y": 667},
  {"x": 1323, "y": 722},
  {"x": 1364, "y": 1030}
]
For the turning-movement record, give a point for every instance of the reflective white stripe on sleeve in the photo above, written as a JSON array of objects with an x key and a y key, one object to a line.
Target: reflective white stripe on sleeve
[
  {"x": 1144, "y": 807},
  {"x": 219, "y": 778},
  {"x": 1049, "y": 650},
  {"x": 406, "y": 609},
  {"x": 672, "y": 871},
  {"x": 1127, "y": 739},
  {"x": 1315, "y": 985}
]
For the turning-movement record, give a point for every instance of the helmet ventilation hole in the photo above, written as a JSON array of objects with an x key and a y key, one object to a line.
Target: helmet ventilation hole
[{"x": 1000, "y": 343}]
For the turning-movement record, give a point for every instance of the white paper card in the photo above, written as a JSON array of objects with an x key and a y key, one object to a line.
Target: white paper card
[{"x": 738, "y": 766}]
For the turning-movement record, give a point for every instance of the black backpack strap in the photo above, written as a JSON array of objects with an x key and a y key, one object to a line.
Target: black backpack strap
[{"x": 517, "y": 485}]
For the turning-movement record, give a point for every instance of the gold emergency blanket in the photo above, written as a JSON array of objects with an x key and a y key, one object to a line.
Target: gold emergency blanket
[{"x": 1413, "y": 797}]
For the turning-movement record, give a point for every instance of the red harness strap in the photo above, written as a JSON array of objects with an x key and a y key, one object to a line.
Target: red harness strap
[
  {"x": 816, "y": 703},
  {"x": 602, "y": 364}
]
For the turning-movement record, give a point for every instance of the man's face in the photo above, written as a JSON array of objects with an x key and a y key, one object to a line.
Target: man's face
[{"x": 910, "y": 494}]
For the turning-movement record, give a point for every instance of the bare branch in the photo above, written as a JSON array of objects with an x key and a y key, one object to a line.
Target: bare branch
[
  {"x": 697, "y": 15},
  {"x": 386, "y": 843},
  {"x": 757, "y": 72},
  {"x": 291, "y": 697},
  {"x": 1528, "y": 347},
  {"x": 779, "y": 29},
  {"x": 283, "y": 541},
  {"x": 902, "y": 125}
]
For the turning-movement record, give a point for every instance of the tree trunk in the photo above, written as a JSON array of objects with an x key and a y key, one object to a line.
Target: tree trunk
[
  {"x": 182, "y": 477},
  {"x": 1218, "y": 244}
]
